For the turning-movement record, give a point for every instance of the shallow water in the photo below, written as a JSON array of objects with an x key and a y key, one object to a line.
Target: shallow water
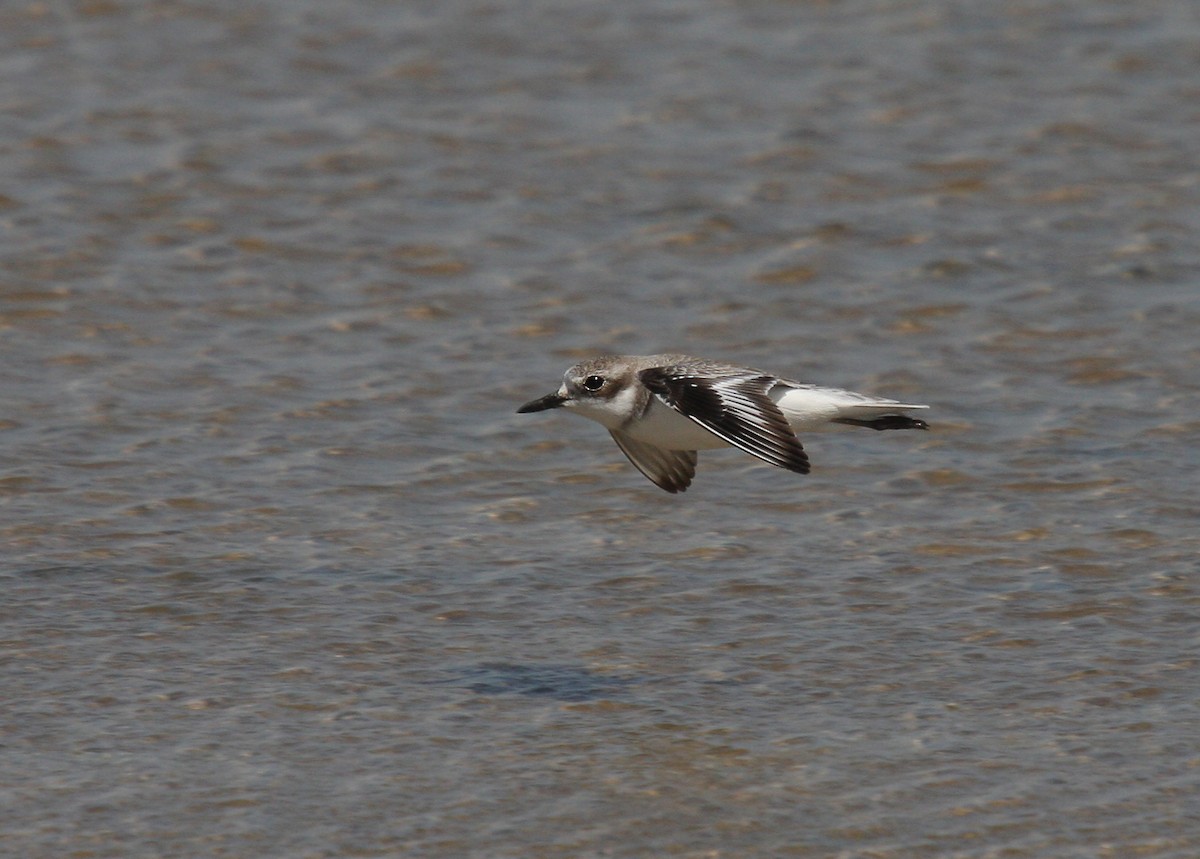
[{"x": 286, "y": 576}]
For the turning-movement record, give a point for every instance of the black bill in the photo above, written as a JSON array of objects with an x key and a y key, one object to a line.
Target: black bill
[{"x": 550, "y": 401}]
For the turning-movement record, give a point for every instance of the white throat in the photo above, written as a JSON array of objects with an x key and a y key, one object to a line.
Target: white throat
[{"x": 613, "y": 412}]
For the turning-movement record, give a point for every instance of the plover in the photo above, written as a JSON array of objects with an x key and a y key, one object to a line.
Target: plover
[{"x": 661, "y": 409}]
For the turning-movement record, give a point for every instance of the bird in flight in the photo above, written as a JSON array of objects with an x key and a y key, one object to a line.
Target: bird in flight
[{"x": 661, "y": 409}]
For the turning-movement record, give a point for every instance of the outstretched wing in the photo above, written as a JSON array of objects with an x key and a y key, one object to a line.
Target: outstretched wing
[
  {"x": 734, "y": 407},
  {"x": 671, "y": 470}
]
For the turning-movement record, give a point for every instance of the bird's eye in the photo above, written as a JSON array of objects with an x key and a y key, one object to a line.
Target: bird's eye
[{"x": 593, "y": 383}]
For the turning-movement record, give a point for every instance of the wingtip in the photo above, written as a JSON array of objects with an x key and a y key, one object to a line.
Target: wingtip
[{"x": 672, "y": 485}]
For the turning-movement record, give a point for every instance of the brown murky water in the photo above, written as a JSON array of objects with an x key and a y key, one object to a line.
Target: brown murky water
[{"x": 284, "y": 575}]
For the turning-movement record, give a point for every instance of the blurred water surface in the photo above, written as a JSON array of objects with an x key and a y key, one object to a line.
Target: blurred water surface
[{"x": 284, "y": 575}]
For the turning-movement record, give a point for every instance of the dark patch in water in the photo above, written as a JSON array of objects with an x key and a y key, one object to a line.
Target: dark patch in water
[{"x": 561, "y": 682}]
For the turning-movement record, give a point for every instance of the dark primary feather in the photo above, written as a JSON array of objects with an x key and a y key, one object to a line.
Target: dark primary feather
[
  {"x": 671, "y": 470},
  {"x": 733, "y": 407}
]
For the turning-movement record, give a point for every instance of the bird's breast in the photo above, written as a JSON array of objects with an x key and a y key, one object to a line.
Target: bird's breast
[{"x": 664, "y": 427}]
